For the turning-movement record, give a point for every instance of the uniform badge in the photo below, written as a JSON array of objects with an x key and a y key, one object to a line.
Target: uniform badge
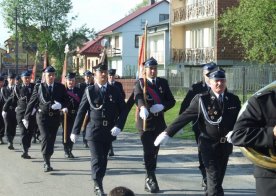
[
  {"x": 97, "y": 105},
  {"x": 160, "y": 89},
  {"x": 213, "y": 97},
  {"x": 212, "y": 117},
  {"x": 110, "y": 97},
  {"x": 215, "y": 112}
]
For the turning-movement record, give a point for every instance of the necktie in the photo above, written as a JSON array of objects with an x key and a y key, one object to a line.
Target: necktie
[
  {"x": 103, "y": 91},
  {"x": 50, "y": 88},
  {"x": 153, "y": 83},
  {"x": 220, "y": 98}
]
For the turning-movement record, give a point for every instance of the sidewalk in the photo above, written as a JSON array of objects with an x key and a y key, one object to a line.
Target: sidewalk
[{"x": 177, "y": 172}]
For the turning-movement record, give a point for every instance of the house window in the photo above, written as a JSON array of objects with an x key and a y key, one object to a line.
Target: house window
[
  {"x": 136, "y": 44},
  {"x": 163, "y": 17},
  {"x": 117, "y": 42},
  {"x": 88, "y": 67}
]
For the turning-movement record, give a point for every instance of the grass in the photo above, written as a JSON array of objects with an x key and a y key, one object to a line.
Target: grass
[{"x": 169, "y": 118}]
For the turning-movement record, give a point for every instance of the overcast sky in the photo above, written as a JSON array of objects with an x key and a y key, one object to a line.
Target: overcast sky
[{"x": 96, "y": 14}]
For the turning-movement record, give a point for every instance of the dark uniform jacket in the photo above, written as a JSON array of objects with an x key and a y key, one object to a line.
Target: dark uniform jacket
[
  {"x": 105, "y": 113},
  {"x": 44, "y": 100},
  {"x": 6, "y": 95},
  {"x": 20, "y": 98},
  {"x": 155, "y": 122},
  {"x": 73, "y": 101},
  {"x": 206, "y": 107},
  {"x": 199, "y": 87},
  {"x": 254, "y": 127},
  {"x": 120, "y": 87}
]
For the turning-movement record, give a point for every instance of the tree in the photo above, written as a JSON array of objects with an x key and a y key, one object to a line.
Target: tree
[
  {"x": 252, "y": 24},
  {"x": 138, "y": 6}
]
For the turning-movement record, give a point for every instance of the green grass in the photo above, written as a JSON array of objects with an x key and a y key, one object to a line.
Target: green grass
[{"x": 169, "y": 118}]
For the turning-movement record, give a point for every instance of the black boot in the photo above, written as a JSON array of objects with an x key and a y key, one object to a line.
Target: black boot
[
  {"x": 204, "y": 184},
  {"x": 85, "y": 145},
  {"x": 47, "y": 166},
  {"x": 25, "y": 154},
  {"x": 66, "y": 152},
  {"x": 10, "y": 146},
  {"x": 71, "y": 154},
  {"x": 151, "y": 184},
  {"x": 98, "y": 188},
  {"x": 111, "y": 152}
]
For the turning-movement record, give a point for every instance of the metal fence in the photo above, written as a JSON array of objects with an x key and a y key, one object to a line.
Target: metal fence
[{"x": 243, "y": 81}]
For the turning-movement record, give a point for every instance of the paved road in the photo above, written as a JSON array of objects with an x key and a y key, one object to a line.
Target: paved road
[{"x": 177, "y": 171}]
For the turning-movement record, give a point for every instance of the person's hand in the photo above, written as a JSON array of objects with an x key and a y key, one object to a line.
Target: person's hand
[
  {"x": 25, "y": 123},
  {"x": 74, "y": 137},
  {"x": 4, "y": 114},
  {"x": 274, "y": 131},
  {"x": 228, "y": 136},
  {"x": 64, "y": 110},
  {"x": 143, "y": 113},
  {"x": 115, "y": 131},
  {"x": 156, "y": 108},
  {"x": 33, "y": 112},
  {"x": 56, "y": 106},
  {"x": 162, "y": 138}
]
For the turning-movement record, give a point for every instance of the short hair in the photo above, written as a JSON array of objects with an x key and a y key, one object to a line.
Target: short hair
[{"x": 121, "y": 191}]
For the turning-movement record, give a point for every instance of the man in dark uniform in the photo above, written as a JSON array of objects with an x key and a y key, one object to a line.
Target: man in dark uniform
[
  {"x": 19, "y": 99},
  {"x": 88, "y": 81},
  {"x": 107, "y": 119},
  {"x": 8, "y": 111},
  {"x": 50, "y": 97},
  {"x": 199, "y": 87},
  {"x": 216, "y": 112},
  {"x": 256, "y": 128},
  {"x": 36, "y": 133},
  {"x": 111, "y": 81},
  {"x": 72, "y": 105},
  {"x": 17, "y": 80},
  {"x": 2, "y": 102},
  {"x": 159, "y": 100}
]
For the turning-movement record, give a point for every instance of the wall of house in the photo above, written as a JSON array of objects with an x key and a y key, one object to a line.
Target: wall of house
[{"x": 135, "y": 27}]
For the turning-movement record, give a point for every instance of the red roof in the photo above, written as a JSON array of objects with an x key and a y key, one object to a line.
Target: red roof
[
  {"x": 92, "y": 47},
  {"x": 129, "y": 18}
]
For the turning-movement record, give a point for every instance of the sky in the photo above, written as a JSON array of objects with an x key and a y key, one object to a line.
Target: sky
[{"x": 94, "y": 13}]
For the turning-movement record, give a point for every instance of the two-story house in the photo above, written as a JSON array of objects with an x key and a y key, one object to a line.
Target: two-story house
[
  {"x": 123, "y": 38},
  {"x": 195, "y": 35}
]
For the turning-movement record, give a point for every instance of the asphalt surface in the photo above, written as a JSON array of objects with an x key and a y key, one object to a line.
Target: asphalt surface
[{"x": 177, "y": 171}]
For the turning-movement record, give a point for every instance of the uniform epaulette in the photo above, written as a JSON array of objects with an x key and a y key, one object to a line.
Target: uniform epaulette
[{"x": 260, "y": 94}]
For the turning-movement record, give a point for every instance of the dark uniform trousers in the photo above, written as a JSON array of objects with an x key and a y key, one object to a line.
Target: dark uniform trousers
[
  {"x": 9, "y": 107},
  {"x": 254, "y": 128},
  {"x": 155, "y": 123},
  {"x": 72, "y": 105},
  {"x": 2, "y": 124},
  {"x": 106, "y": 111},
  {"x": 199, "y": 87},
  {"x": 215, "y": 120},
  {"x": 48, "y": 120}
]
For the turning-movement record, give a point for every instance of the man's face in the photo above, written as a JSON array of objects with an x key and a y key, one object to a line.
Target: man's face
[
  {"x": 151, "y": 72},
  {"x": 111, "y": 78},
  {"x": 71, "y": 83},
  {"x": 101, "y": 76},
  {"x": 26, "y": 80},
  {"x": 88, "y": 79},
  {"x": 11, "y": 81},
  {"x": 217, "y": 85},
  {"x": 50, "y": 77}
]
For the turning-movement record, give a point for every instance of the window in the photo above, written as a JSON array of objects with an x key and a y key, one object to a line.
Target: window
[
  {"x": 163, "y": 17},
  {"x": 136, "y": 44},
  {"x": 117, "y": 42}
]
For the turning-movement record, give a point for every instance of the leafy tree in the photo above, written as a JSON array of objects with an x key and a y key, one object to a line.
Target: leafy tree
[{"x": 252, "y": 24}]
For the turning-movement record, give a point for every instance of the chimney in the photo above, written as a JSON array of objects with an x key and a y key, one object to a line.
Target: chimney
[{"x": 151, "y": 2}]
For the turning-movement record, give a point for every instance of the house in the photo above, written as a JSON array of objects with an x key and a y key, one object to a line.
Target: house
[
  {"x": 123, "y": 38},
  {"x": 195, "y": 37}
]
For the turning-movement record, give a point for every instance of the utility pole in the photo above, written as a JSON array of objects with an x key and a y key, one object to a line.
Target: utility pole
[{"x": 16, "y": 42}]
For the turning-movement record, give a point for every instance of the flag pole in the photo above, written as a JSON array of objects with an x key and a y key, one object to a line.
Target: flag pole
[{"x": 144, "y": 75}]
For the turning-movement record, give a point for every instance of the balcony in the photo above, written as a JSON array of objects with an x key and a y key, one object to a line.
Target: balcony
[
  {"x": 114, "y": 52},
  {"x": 202, "y": 10},
  {"x": 193, "y": 56}
]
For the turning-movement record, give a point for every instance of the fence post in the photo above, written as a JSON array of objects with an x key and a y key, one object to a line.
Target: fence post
[{"x": 243, "y": 85}]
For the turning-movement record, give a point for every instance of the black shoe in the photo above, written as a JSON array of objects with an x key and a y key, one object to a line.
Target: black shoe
[
  {"x": 1, "y": 141},
  {"x": 85, "y": 145},
  {"x": 10, "y": 146},
  {"x": 26, "y": 156},
  {"x": 66, "y": 155},
  {"x": 34, "y": 141},
  {"x": 111, "y": 154},
  {"x": 47, "y": 168},
  {"x": 151, "y": 185},
  {"x": 71, "y": 155}
]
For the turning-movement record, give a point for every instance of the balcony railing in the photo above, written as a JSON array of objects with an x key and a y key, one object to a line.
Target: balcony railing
[
  {"x": 193, "y": 56},
  {"x": 112, "y": 52},
  {"x": 200, "y": 10}
]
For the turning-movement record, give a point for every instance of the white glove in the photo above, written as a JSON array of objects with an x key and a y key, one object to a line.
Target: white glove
[
  {"x": 228, "y": 136},
  {"x": 4, "y": 114},
  {"x": 33, "y": 112},
  {"x": 64, "y": 110},
  {"x": 115, "y": 131},
  {"x": 143, "y": 113},
  {"x": 56, "y": 106},
  {"x": 156, "y": 108},
  {"x": 162, "y": 138},
  {"x": 25, "y": 123},
  {"x": 74, "y": 137}
]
